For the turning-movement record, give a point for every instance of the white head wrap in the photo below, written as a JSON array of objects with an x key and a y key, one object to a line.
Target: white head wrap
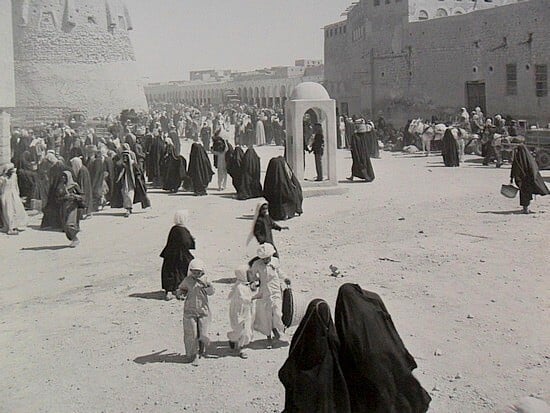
[
  {"x": 181, "y": 217},
  {"x": 266, "y": 251},
  {"x": 256, "y": 215}
]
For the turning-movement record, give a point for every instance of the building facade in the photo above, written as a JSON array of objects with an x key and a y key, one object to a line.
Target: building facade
[
  {"x": 73, "y": 55},
  {"x": 263, "y": 87},
  {"x": 383, "y": 59}
]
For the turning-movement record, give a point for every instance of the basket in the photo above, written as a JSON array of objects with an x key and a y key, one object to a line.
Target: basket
[
  {"x": 294, "y": 308},
  {"x": 509, "y": 191}
]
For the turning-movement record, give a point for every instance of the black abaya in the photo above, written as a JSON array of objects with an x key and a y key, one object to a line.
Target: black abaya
[
  {"x": 282, "y": 190},
  {"x": 234, "y": 168},
  {"x": 200, "y": 169},
  {"x": 362, "y": 166},
  {"x": 377, "y": 366},
  {"x": 312, "y": 375},
  {"x": 52, "y": 212},
  {"x": 450, "y": 149},
  {"x": 525, "y": 172},
  {"x": 175, "y": 169},
  {"x": 251, "y": 186},
  {"x": 177, "y": 257}
]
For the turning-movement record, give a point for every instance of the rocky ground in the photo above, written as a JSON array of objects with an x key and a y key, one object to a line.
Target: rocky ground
[{"x": 464, "y": 276}]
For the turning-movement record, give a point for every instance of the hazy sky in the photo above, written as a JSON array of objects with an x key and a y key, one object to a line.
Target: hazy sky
[{"x": 172, "y": 37}]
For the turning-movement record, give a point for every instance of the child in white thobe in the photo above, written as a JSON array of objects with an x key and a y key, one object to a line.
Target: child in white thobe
[{"x": 241, "y": 311}]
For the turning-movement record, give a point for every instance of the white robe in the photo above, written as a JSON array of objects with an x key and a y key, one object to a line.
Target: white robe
[
  {"x": 260, "y": 133},
  {"x": 269, "y": 308},
  {"x": 11, "y": 207},
  {"x": 241, "y": 314}
]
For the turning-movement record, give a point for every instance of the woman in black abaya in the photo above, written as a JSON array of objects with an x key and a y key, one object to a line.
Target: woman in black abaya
[
  {"x": 200, "y": 169},
  {"x": 174, "y": 168},
  {"x": 282, "y": 190},
  {"x": 525, "y": 172},
  {"x": 312, "y": 376},
  {"x": 361, "y": 167},
  {"x": 377, "y": 366},
  {"x": 251, "y": 186},
  {"x": 450, "y": 149},
  {"x": 177, "y": 254},
  {"x": 234, "y": 167}
]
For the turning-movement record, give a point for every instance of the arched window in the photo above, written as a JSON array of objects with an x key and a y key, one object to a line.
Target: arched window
[
  {"x": 423, "y": 15},
  {"x": 441, "y": 13}
]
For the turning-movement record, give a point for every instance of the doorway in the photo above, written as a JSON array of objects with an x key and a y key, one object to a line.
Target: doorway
[{"x": 475, "y": 95}]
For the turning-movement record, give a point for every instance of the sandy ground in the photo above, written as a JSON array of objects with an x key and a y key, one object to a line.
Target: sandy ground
[{"x": 464, "y": 277}]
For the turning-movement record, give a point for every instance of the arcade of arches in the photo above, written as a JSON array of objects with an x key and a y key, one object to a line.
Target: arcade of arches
[{"x": 272, "y": 93}]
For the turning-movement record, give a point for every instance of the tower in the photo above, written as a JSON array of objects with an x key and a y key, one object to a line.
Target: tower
[{"x": 74, "y": 55}]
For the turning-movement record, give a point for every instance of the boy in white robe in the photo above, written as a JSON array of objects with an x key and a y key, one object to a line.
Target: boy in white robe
[
  {"x": 241, "y": 311},
  {"x": 269, "y": 307}
]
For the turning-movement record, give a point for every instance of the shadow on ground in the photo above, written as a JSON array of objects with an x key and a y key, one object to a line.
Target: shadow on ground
[
  {"x": 225, "y": 281},
  {"x": 46, "y": 248},
  {"x": 512, "y": 212},
  {"x": 153, "y": 295}
]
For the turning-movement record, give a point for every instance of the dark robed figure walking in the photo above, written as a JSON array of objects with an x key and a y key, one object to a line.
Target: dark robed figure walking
[
  {"x": 525, "y": 172},
  {"x": 282, "y": 190},
  {"x": 361, "y": 167},
  {"x": 377, "y": 366},
  {"x": 312, "y": 375},
  {"x": 177, "y": 253},
  {"x": 200, "y": 169},
  {"x": 251, "y": 186},
  {"x": 450, "y": 149}
]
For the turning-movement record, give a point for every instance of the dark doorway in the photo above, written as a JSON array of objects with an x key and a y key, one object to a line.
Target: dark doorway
[
  {"x": 475, "y": 95},
  {"x": 345, "y": 109}
]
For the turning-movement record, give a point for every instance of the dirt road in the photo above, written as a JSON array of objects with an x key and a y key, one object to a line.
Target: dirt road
[{"x": 465, "y": 279}]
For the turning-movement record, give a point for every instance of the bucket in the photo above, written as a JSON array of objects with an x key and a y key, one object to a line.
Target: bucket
[
  {"x": 294, "y": 308},
  {"x": 509, "y": 191}
]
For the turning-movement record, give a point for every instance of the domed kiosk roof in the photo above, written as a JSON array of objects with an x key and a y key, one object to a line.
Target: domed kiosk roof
[{"x": 310, "y": 91}]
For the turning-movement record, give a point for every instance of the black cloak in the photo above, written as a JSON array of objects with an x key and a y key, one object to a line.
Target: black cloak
[
  {"x": 97, "y": 176},
  {"x": 251, "y": 186},
  {"x": 85, "y": 186},
  {"x": 525, "y": 172},
  {"x": 377, "y": 366},
  {"x": 200, "y": 169},
  {"x": 362, "y": 166},
  {"x": 177, "y": 257},
  {"x": 234, "y": 167},
  {"x": 312, "y": 376},
  {"x": 450, "y": 149},
  {"x": 52, "y": 217},
  {"x": 282, "y": 190},
  {"x": 372, "y": 144},
  {"x": 140, "y": 189},
  {"x": 109, "y": 167},
  {"x": 174, "y": 168},
  {"x": 155, "y": 156}
]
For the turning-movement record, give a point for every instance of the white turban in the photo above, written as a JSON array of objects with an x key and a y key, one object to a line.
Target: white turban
[{"x": 266, "y": 251}]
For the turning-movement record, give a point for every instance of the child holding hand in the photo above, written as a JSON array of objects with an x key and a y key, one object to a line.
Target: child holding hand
[
  {"x": 195, "y": 289},
  {"x": 241, "y": 311}
]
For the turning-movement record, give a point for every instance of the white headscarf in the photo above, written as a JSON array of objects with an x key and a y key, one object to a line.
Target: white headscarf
[
  {"x": 196, "y": 264},
  {"x": 256, "y": 216},
  {"x": 241, "y": 273},
  {"x": 181, "y": 217},
  {"x": 76, "y": 163},
  {"x": 266, "y": 251}
]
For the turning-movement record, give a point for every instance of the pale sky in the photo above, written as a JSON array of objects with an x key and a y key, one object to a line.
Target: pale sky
[{"x": 172, "y": 37}]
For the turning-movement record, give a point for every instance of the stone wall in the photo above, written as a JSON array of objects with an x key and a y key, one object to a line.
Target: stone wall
[
  {"x": 7, "y": 80},
  {"x": 421, "y": 68},
  {"x": 75, "y": 54}
]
